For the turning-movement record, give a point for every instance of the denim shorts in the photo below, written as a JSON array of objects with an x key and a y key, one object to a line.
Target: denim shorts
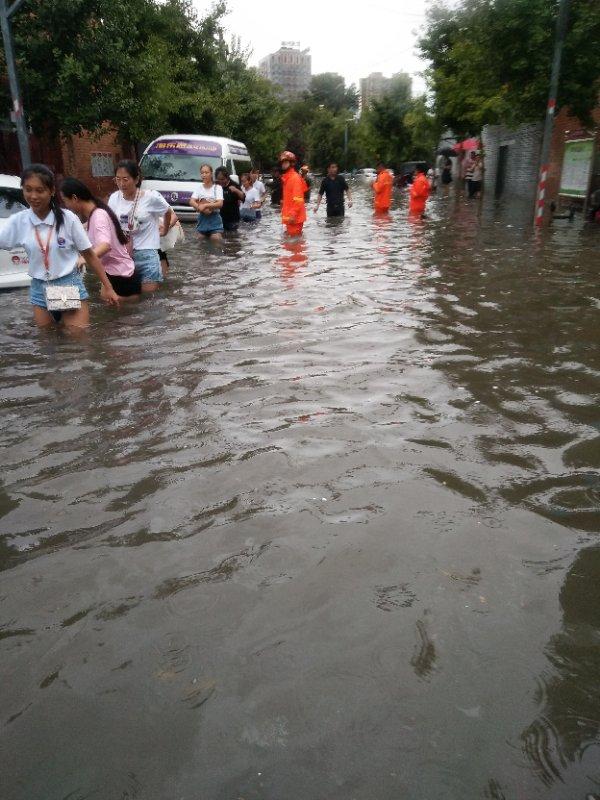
[
  {"x": 147, "y": 263},
  {"x": 37, "y": 291},
  {"x": 209, "y": 223}
]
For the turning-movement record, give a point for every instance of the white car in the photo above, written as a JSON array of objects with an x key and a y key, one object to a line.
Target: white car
[
  {"x": 366, "y": 175},
  {"x": 13, "y": 263}
]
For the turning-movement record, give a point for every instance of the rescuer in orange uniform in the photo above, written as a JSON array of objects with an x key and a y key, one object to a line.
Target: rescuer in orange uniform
[
  {"x": 293, "y": 210},
  {"x": 419, "y": 192},
  {"x": 382, "y": 189}
]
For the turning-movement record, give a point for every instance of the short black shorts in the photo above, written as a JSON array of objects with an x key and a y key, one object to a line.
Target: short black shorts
[
  {"x": 335, "y": 211},
  {"x": 126, "y": 287},
  {"x": 163, "y": 256}
]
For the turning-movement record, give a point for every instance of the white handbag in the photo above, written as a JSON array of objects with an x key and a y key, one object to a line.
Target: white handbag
[
  {"x": 174, "y": 236},
  {"x": 62, "y": 298}
]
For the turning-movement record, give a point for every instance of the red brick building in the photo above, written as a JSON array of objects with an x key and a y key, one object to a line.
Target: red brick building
[{"x": 89, "y": 157}]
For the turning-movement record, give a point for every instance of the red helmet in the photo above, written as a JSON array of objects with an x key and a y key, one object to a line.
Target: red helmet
[{"x": 287, "y": 156}]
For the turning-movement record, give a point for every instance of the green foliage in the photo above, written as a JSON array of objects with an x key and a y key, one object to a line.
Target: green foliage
[
  {"x": 329, "y": 90},
  {"x": 144, "y": 66},
  {"x": 491, "y": 60}
]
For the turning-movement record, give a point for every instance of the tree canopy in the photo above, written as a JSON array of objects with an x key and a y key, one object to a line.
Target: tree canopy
[
  {"x": 491, "y": 60},
  {"x": 143, "y": 66}
]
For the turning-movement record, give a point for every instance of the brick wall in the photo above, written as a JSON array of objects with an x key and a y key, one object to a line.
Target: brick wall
[
  {"x": 522, "y": 154},
  {"x": 87, "y": 154},
  {"x": 566, "y": 128}
]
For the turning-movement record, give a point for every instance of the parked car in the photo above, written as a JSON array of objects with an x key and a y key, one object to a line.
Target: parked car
[
  {"x": 366, "y": 175},
  {"x": 13, "y": 263}
]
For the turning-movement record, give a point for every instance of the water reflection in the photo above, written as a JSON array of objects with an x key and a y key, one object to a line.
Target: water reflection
[
  {"x": 563, "y": 743},
  {"x": 304, "y": 514}
]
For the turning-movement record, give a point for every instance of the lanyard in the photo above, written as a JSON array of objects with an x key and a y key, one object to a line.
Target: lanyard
[{"x": 44, "y": 248}]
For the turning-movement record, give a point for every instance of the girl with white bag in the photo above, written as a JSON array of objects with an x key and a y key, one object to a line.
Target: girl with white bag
[{"x": 53, "y": 238}]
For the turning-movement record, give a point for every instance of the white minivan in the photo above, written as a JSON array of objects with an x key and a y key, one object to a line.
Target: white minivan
[{"x": 171, "y": 165}]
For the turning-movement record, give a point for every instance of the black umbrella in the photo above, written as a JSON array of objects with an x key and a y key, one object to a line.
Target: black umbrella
[{"x": 447, "y": 151}]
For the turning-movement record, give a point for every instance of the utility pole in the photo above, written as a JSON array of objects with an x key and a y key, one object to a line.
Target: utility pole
[
  {"x": 561, "y": 31},
  {"x": 346, "y": 122},
  {"x": 6, "y": 12}
]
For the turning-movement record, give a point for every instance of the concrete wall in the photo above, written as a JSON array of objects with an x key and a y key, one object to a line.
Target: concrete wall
[{"x": 522, "y": 159}]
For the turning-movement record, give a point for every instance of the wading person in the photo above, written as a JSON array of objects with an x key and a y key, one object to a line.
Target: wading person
[
  {"x": 419, "y": 191},
  {"x": 53, "y": 239},
  {"x": 251, "y": 205},
  {"x": 304, "y": 170},
  {"x": 232, "y": 197},
  {"x": 259, "y": 186},
  {"x": 293, "y": 210},
  {"x": 276, "y": 187},
  {"x": 139, "y": 212},
  {"x": 382, "y": 189},
  {"x": 207, "y": 199},
  {"x": 107, "y": 238},
  {"x": 335, "y": 188},
  {"x": 476, "y": 176}
]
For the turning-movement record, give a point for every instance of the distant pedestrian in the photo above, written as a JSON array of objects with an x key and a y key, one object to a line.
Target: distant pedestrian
[
  {"x": 419, "y": 191},
  {"x": 259, "y": 186},
  {"x": 382, "y": 188},
  {"x": 276, "y": 187},
  {"x": 139, "y": 212},
  {"x": 53, "y": 239},
  {"x": 447, "y": 171},
  {"x": 251, "y": 204},
  {"x": 466, "y": 168},
  {"x": 334, "y": 187},
  {"x": 232, "y": 197},
  {"x": 207, "y": 199},
  {"x": 107, "y": 238},
  {"x": 293, "y": 210},
  {"x": 475, "y": 176},
  {"x": 304, "y": 171}
]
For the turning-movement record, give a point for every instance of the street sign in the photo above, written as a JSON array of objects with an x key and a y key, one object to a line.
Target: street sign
[{"x": 577, "y": 167}]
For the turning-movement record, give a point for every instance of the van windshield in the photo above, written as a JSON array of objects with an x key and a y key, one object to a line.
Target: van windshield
[{"x": 177, "y": 167}]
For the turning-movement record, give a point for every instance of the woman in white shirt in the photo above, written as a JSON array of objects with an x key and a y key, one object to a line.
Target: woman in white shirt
[
  {"x": 139, "y": 212},
  {"x": 53, "y": 238},
  {"x": 251, "y": 205},
  {"x": 207, "y": 199}
]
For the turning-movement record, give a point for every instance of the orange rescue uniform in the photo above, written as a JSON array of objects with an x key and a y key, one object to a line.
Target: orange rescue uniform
[
  {"x": 293, "y": 210},
  {"x": 383, "y": 191},
  {"x": 419, "y": 192}
]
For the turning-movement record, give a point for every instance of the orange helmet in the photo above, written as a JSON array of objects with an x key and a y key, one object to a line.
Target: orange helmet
[{"x": 287, "y": 156}]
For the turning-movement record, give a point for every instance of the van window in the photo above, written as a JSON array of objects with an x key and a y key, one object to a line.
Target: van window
[
  {"x": 175, "y": 167},
  {"x": 239, "y": 166}
]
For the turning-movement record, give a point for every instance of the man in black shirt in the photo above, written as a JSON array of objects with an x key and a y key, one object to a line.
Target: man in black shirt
[
  {"x": 276, "y": 187},
  {"x": 232, "y": 195},
  {"x": 333, "y": 187}
]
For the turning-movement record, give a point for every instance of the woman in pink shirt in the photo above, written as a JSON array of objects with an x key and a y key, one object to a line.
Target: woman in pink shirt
[{"x": 107, "y": 238}]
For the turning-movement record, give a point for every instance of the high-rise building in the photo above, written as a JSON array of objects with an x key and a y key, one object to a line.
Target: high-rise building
[
  {"x": 289, "y": 69},
  {"x": 375, "y": 86}
]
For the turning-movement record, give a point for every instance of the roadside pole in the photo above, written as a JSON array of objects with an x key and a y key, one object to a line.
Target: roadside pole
[
  {"x": 561, "y": 30},
  {"x": 17, "y": 116}
]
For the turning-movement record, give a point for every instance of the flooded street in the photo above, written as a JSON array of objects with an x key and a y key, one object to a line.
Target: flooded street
[{"x": 318, "y": 522}]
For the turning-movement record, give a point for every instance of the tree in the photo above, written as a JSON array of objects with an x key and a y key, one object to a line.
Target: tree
[
  {"x": 329, "y": 90},
  {"x": 490, "y": 60},
  {"x": 144, "y": 67}
]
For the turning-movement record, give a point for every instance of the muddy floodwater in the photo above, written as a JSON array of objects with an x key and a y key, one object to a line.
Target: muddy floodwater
[{"x": 319, "y": 522}]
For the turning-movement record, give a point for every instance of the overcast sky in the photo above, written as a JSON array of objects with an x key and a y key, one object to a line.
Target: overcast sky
[{"x": 353, "y": 39}]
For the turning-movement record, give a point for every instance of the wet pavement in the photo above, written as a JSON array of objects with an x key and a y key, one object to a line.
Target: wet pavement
[{"x": 320, "y": 521}]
